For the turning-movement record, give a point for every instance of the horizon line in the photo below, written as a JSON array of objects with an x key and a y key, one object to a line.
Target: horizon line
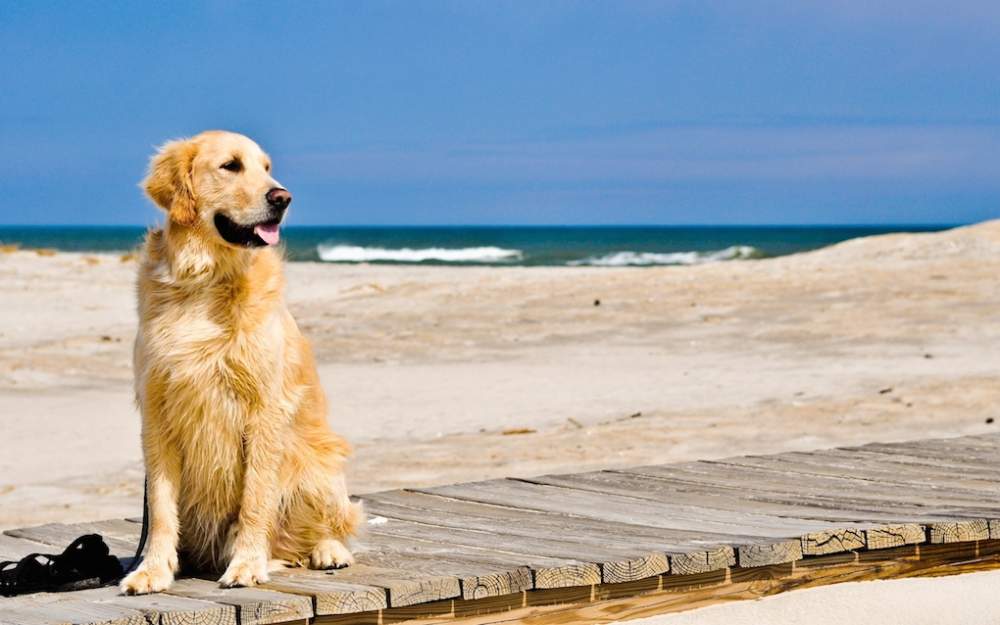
[{"x": 922, "y": 224}]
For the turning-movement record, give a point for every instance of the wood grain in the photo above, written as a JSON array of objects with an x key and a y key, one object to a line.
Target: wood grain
[
  {"x": 13, "y": 548},
  {"x": 253, "y": 606},
  {"x": 959, "y": 531},
  {"x": 618, "y": 564},
  {"x": 682, "y": 546},
  {"x": 329, "y": 596},
  {"x": 888, "y": 536},
  {"x": 404, "y": 587}
]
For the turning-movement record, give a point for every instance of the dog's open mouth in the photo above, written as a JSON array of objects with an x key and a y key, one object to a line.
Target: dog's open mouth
[{"x": 253, "y": 235}]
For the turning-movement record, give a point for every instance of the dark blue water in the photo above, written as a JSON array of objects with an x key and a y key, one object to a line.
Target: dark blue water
[{"x": 499, "y": 245}]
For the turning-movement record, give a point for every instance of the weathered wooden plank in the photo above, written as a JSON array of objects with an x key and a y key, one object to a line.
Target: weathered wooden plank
[
  {"x": 687, "y": 546},
  {"x": 704, "y": 503},
  {"x": 958, "y": 480},
  {"x": 547, "y": 572},
  {"x": 751, "y": 482},
  {"x": 121, "y": 529},
  {"x": 403, "y": 587},
  {"x": 980, "y": 441},
  {"x": 763, "y": 554},
  {"x": 254, "y": 606},
  {"x": 60, "y": 535},
  {"x": 971, "y": 474},
  {"x": 833, "y": 541},
  {"x": 850, "y": 459},
  {"x": 742, "y": 495},
  {"x": 617, "y": 564},
  {"x": 837, "y": 486},
  {"x": 959, "y": 531},
  {"x": 477, "y": 580},
  {"x": 434, "y": 509},
  {"x": 712, "y": 559},
  {"x": 65, "y": 609},
  {"x": 106, "y": 605},
  {"x": 622, "y": 509},
  {"x": 172, "y": 610},
  {"x": 818, "y": 543},
  {"x": 768, "y": 548},
  {"x": 822, "y": 485},
  {"x": 634, "y": 569},
  {"x": 845, "y": 464},
  {"x": 888, "y": 536},
  {"x": 13, "y": 548},
  {"x": 758, "y": 488},
  {"x": 814, "y": 543},
  {"x": 959, "y": 444},
  {"x": 710, "y": 493},
  {"x": 917, "y": 458},
  {"x": 329, "y": 595}
]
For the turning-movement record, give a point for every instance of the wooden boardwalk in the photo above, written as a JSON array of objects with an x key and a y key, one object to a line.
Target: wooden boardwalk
[{"x": 598, "y": 546}]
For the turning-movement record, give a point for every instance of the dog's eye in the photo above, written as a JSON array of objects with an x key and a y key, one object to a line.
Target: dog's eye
[
  {"x": 267, "y": 167},
  {"x": 234, "y": 165}
]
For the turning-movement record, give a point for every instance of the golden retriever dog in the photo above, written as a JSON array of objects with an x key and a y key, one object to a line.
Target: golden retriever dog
[{"x": 243, "y": 472}]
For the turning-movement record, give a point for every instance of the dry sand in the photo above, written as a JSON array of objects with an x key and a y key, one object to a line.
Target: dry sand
[
  {"x": 885, "y": 338},
  {"x": 970, "y": 599}
]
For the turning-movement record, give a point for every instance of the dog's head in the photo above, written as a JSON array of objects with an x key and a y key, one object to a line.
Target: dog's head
[{"x": 220, "y": 183}]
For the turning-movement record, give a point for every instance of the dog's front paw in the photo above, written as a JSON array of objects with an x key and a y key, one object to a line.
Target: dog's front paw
[
  {"x": 330, "y": 554},
  {"x": 245, "y": 571},
  {"x": 147, "y": 579}
]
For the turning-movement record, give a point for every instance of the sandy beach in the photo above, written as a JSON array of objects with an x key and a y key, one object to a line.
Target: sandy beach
[{"x": 444, "y": 374}]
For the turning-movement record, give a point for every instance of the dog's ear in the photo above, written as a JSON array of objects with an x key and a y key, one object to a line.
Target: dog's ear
[{"x": 169, "y": 181}]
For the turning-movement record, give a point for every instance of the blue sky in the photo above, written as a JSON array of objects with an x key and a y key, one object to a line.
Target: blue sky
[{"x": 467, "y": 112}]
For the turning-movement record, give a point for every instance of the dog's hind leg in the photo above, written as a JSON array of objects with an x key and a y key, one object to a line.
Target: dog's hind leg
[
  {"x": 318, "y": 527},
  {"x": 343, "y": 522}
]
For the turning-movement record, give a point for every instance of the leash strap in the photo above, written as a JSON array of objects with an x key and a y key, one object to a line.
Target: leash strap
[{"x": 145, "y": 529}]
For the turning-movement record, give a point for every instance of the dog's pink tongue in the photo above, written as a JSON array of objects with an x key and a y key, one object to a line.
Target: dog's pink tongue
[{"x": 268, "y": 232}]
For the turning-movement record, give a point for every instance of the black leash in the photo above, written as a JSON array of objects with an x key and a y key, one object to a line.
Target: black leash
[
  {"x": 86, "y": 563},
  {"x": 145, "y": 529}
]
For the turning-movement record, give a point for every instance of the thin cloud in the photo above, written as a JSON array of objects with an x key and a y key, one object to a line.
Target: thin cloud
[{"x": 724, "y": 153}]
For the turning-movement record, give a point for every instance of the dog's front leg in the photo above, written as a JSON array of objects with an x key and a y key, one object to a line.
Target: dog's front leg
[
  {"x": 163, "y": 476},
  {"x": 258, "y": 506}
]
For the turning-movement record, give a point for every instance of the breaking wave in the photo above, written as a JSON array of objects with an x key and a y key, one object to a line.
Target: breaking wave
[
  {"x": 358, "y": 254},
  {"x": 626, "y": 259}
]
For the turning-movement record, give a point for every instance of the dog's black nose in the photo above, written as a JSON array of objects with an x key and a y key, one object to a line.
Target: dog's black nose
[{"x": 279, "y": 198}]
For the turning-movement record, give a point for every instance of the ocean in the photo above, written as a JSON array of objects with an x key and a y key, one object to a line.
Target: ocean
[{"x": 605, "y": 246}]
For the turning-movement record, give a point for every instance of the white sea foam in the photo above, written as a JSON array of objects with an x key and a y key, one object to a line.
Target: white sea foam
[
  {"x": 358, "y": 254},
  {"x": 625, "y": 259}
]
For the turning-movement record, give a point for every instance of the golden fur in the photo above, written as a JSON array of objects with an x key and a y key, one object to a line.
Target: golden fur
[{"x": 242, "y": 467}]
